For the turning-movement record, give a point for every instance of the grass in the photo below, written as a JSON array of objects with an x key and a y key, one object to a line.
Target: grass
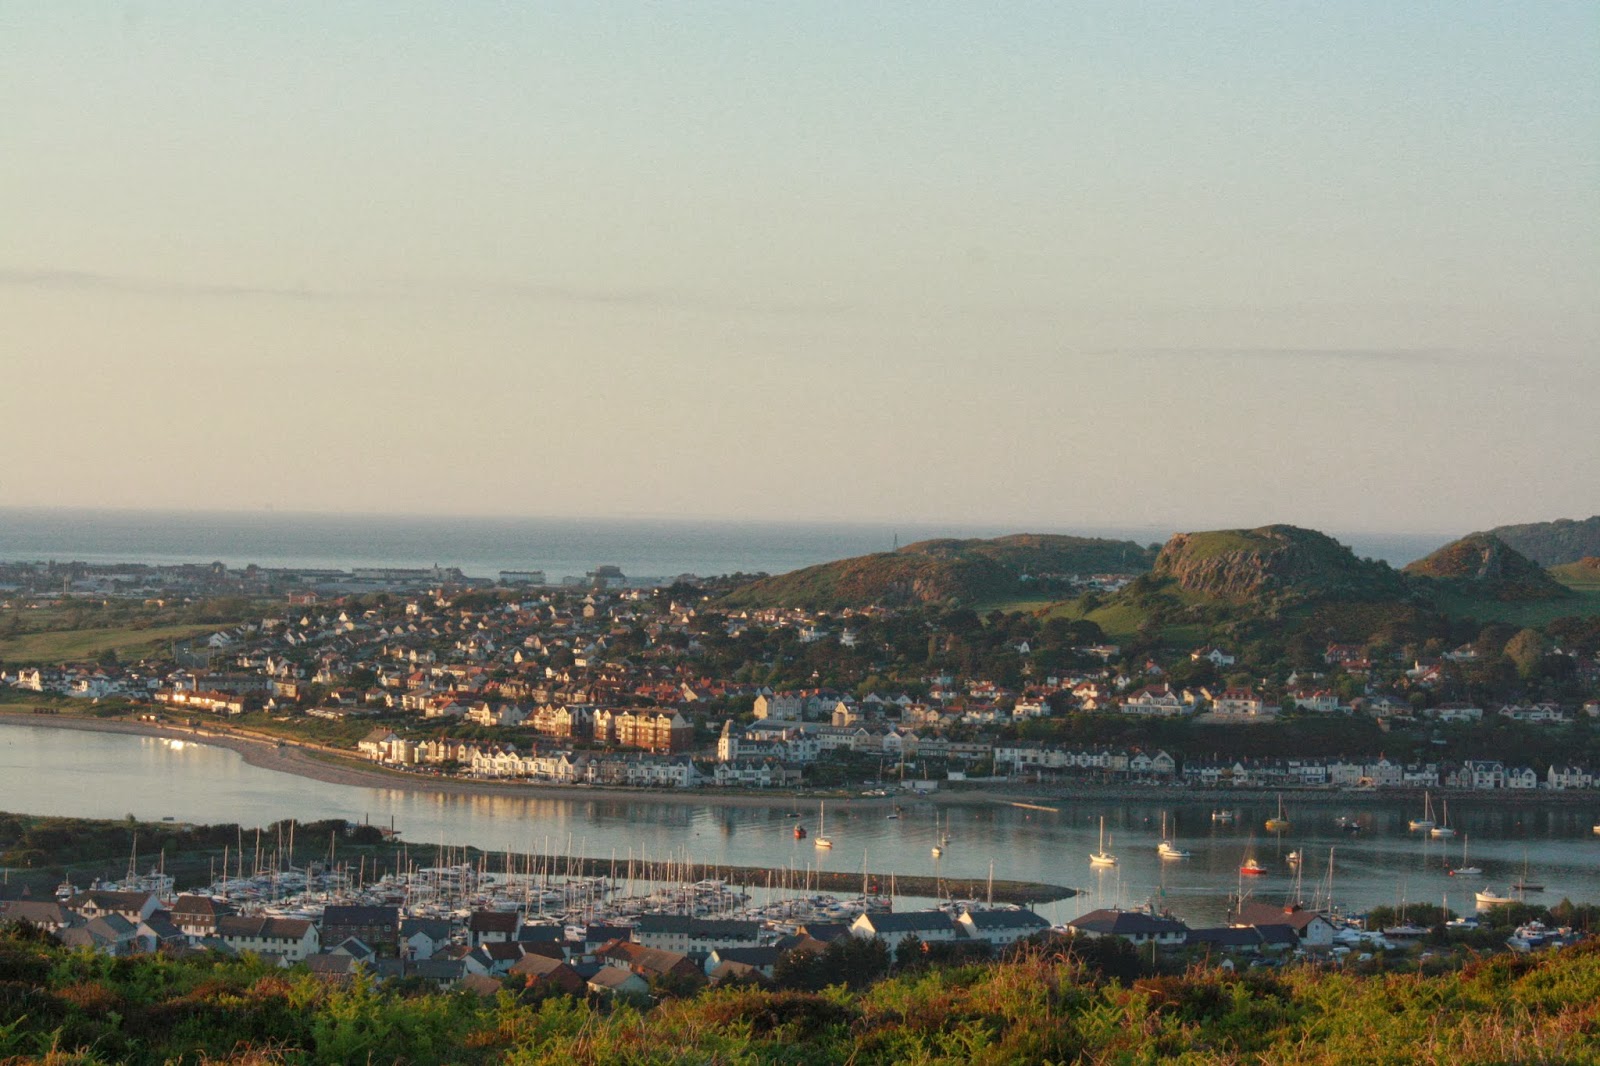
[
  {"x": 1577, "y": 577},
  {"x": 1212, "y": 544},
  {"x": 1119, "y": 621},
  {"x": 74, "y": 645},
  {"x": 1584, "y": 602}
]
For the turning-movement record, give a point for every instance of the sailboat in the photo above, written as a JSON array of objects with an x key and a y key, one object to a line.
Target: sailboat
[
  {"x": 1464, "y": 870},
  {"x": 822, "y": 840},
  {"x": 1279, "y": 823},
  {"x": 1102, "y": 857},
  {"x": 1426, "y": 821},
  {"x": 1522, "y": 884},
  {"x": 1443, "y": 830},
  {"x": 938, "y": 841},
  {"x": 1251, "y": 867},
  {"x": 1167, "y": 849}
]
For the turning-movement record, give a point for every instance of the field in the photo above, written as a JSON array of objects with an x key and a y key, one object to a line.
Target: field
[
  {"x": 75, "y": 645},
  {"x": 1584, "y": 602},
  {"x": 1577, "y": 576}
]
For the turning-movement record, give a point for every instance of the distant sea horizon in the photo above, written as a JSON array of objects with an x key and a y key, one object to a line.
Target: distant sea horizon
[{"x": 482, "y": 546}]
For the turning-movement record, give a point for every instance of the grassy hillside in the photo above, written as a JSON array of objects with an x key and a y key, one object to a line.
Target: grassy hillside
[
  {"x": 1285, "y": 563},
  {"x": 1536, "y": 613},
  {"x": 1019, "y": 567},
  {"x": 1554, "y": 543},
  {"x": 74, "y": 645},
  {"x": 1484, "y": 567},
  {"x": 1582, "y": 576}
]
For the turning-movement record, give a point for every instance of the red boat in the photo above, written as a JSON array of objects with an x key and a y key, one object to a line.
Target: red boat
[
  {"x": 1251, "y": 868},
  {"x": 799, "y": 832}
]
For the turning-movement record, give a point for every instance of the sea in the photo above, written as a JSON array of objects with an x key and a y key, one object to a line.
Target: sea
[{"x": 484, "y": 546}]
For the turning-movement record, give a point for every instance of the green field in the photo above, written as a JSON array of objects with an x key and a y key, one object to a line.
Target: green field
[
  {"x": 74, "y": 645},
  {"x": 1577, "y": 576},
  {"x": 1584, "y": 602}
]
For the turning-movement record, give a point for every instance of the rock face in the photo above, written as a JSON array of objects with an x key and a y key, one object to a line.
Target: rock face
[
  {"x": 1554, "y": 543},
  {"x": 1280, "y": 561},
  {"x": 1484, "y": 566},
  {"x": 943, "y": 571}
]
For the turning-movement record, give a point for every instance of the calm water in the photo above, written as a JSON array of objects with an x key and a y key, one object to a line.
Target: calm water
[
  {"x": 103, "y": 775},
  {"x": 484, "y": 546}
]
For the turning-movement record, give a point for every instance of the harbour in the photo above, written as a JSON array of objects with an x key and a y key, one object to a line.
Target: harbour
[{"x": 102, "y": 775}]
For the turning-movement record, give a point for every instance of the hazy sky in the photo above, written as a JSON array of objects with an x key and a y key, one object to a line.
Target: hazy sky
[{"x": 1056, "y": 264}]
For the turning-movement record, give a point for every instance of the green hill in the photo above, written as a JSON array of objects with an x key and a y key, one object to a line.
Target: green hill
[
  {"x": 948, "y": 571},
  {"x": 1582, "y": 575},
  {"x": 1482, "y": 566},
  {"x": 1554, "y": 543},
  {"x": 1285, "y": 563}
]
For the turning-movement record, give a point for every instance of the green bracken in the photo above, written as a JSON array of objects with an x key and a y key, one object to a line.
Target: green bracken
[{"x": 62, "y": 1007}]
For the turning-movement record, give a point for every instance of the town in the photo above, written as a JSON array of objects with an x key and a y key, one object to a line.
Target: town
[{"x": 606, "y": 684}]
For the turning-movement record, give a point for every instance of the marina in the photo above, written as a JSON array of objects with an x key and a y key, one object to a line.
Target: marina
[{"x": 102, "y": 775}]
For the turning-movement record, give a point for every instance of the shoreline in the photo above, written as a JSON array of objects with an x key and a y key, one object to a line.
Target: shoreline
[{"x": 339, "y": 767}]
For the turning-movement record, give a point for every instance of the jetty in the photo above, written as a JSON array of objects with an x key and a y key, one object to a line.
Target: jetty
[{"x": 1020, "y": 893}]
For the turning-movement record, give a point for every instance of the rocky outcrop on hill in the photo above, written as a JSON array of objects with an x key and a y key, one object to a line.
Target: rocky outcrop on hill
[
  {"x": 1280, "y": 561},
  {"x": 1486, "y": 567}
]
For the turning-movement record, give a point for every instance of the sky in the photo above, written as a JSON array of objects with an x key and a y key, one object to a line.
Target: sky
[{"x": 1057, "y": 265}]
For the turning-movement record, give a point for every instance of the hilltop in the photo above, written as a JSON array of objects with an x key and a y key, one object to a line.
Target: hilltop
[
  {"x": 1554, "y": 543},
  {"x": 1483, "y": 566},
  {"x": 948, "y": 571},
  {"x": 1279, "y": 561}
]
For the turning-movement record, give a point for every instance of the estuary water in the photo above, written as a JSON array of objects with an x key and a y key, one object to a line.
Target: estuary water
[{"x": 105, "y": 775}]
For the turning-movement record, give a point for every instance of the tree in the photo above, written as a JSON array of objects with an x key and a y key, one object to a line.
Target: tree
[{"x": 1527, "y": 650}]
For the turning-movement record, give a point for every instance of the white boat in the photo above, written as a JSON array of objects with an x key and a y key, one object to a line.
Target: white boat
[
  {"x": 822, "y": 840},
  {"x": 1443, "y": 830},
  {"x": 1222, "y": 817},
  {"x": 1293, "y": 858},
  {"x": 1167, "y": 849},
  {"x": 1102, "y": 857},
  {"x": 1536, "y": 935},
  {"x": 1490, "y": 898},
  {"x": 1404, "y": 931},
  {"x": 1464, "y": 870},
  {"x": 1426, "y": 821}
]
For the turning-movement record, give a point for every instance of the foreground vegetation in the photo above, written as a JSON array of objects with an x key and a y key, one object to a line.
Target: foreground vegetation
[{"x": 64, "y": 1008}]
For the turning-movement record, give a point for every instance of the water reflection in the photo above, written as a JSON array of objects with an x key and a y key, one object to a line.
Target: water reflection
[{"x": 52, "y": 771}]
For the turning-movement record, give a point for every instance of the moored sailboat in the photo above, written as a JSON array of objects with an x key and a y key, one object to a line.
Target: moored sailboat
[
  {"x": 1102, "y": 857},
  {"x": 822, "y": 840},
  {"x": 1525, "y": 883},
  {"x": 1426, "y": 821},
  {"x": 1464, "y": 870},
  {"x": 1443, "y": 830},
  {"x": 1278, "y": 823},
  {"x": 1167, "y": 849}
]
